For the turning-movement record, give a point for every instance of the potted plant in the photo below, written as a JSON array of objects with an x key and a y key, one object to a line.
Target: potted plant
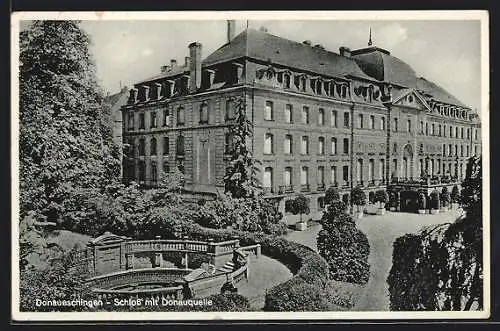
[
  {"x": 300, "y": 205},
  {"x": 422, "y": 199},
  {"x": 381, "y": 197},
  {"x": 445, "y": 199},
  {"x": 358, "y": 198},
  {"x": 455, "y": 193},
  {"x": 434, "y": 202}
]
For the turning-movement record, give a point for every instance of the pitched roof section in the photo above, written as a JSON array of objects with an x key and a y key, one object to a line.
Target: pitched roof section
[
  {"x": 437, "y": 92},
  {"x": 264, "y": 46}
]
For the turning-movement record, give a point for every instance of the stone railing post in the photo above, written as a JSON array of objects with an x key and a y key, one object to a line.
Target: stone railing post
[
  {"x": 130, "y": 261},
  {"x": 258, "y": 249},
  {"x": 211, "y": 250},
  {"x": 186, "y": 261},
  {"x": 237, "y": 243}
]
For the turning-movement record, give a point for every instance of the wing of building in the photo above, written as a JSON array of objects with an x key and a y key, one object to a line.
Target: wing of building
[{"x": 353, "y": 118}]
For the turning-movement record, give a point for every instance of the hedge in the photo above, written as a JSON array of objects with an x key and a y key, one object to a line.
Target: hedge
[{"x": 305, "y": 291}]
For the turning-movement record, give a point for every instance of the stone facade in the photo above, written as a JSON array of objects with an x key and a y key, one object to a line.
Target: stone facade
[{"x": 314, "y": 128}]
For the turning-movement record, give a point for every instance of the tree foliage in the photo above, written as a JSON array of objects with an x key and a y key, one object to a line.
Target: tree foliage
[
  {"x": 299, "y": 205},
  {"x": 241, "y": 179},
  {"x": 343, "y": 246},
  {"x": 64, "y": 150},
  {"x": 440, "y": 268},
  {"x": 381, "y": 196},
  {"x": 358, "y": 196},
  {"x": 331, "y": 195}
]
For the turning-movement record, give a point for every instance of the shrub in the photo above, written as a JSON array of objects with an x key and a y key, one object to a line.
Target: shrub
[
  {"x": 331, "y": 195},
  {"x": 358, "y": 196},
  {"x": 422, "y": 201},
  {"x": 344, "y": 247},
  {"x": 244, "y": 214},
  {"x": 308, "y": 268}
]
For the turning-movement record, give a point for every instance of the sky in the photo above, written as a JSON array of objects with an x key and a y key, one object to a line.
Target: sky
[{"x": 446, "y": 52}]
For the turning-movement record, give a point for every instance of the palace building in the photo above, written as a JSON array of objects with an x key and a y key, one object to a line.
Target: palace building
[{"x": 320, "y": 119}]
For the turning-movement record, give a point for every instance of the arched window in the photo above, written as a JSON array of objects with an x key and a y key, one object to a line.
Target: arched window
[
  {"x": 371, "y": 169},
  {"x": 268, "y": 144},
  {"x": 204, "y": 114},
  {"x": 269, "y": 111},
  {"x": 304, "y": 148},
  {"x": 287, "y": 80},
  {"x": 166, "y": 167},
  {"x": 180, "y": 145},
  {"x": 346, "y": 146},
  {"x": 152, "y": 146},
  {"x": 321, "y": 116},
  {"x": 321, "y": 176},
  {"x": 304, "y": 175}
]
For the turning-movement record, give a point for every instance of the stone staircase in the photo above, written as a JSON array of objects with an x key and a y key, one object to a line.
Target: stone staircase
[{"x": 227, "y": 267}]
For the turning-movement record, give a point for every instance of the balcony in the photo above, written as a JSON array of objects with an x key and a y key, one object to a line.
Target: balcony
[
  {"x": 321, "y": 187},
  {"x": 305, "y": 188}
]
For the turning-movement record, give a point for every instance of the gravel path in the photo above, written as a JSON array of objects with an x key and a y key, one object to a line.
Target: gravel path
[{"x": 381, "y": 231}]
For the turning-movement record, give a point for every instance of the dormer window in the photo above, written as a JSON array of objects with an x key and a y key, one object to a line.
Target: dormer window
[
  {"x": 303, "y": 82},
  {"x": 286, "y": 80},
  {"x": 318, "y": 86}
]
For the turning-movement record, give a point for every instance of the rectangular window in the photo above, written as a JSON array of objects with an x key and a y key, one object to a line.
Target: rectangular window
[
  {"x": 180, "y": 116},
  {"x": 468, "y": 151},
  {"x": 450, "y": 150},
  {"x": 372, "y": 122},
  {"x": 141, "y": 121},
  {"x": 426, "y": 129},
  {"x": 321, "y": 175},
  {"x": 396, "y": 125},
  {"x": 288, "y": 113},
  {"x": 444, "y": 130},
  {"x": 166, "y": 146},
  {"x": 422, "y": 127},
  {"x": 321, "y": 145},
  {"x": 333, "y": 175},
  {"x": 346, "y": 120},
  {"x": 359, "y": 170},
  {"x": 382, "y": 123},
  {"x": 230, "y": 111},
  {"x": 476, "y": 134},
  {"x": 444, "y": 150},
  {"x": 408, "y": 126},
  {"x": 451, "y": 131},
  {"x": 433, "y": 131},
  {"x": 346, "y": 146},
  {"x": 287, "y": 176},
  {"x": 287, "y": 145},
  {"x": 461, "y": 133},
  {"x": 321, "y": 116},
  {"x": 333, "y": 120},
  {"x": 153, "y": 119},
  {"x": 395, "y": 168},
  {"x": 456, "y": 132},
  {"x": 381, "y": 169},
  {"x": 131, "y": 121},
  {"x": 304, "y": 176},
  {"x": 268, "y": 177},
  {"x": 334, "y": 146},
  {"x": 371, "y": 169},
  {"x": 268, "y": 112},
  {"x": 360, "y": 121},
  {"x": 345, "y": 174},
  {"x": 166, "y": 117},
  {"x": 268, "y": 144},
  {"x": 304, "y": 148},
  {"x": 305, "y": 115}
]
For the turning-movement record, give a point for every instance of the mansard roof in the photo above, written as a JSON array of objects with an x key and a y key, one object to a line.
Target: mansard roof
[
  {"x": 263, "y": 46},
  {"x": 381, "y": 65}
]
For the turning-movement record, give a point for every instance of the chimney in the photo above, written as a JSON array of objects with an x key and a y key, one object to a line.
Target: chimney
[
  {"x": 164, "y": 68},
  {"x": 344, "y": 51},
  {"x": 307, "y": 42},
  {"x": 230, "y": 30},
  {"x": 194, "y": 67},
  {"x": 173, "y": 64},
  {"x": 186, "y": 61}
]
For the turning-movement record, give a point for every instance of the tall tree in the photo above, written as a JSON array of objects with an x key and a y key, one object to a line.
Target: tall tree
[
  {"x": 241, "y": 171},
  {"x": 65, "y": 153}
]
